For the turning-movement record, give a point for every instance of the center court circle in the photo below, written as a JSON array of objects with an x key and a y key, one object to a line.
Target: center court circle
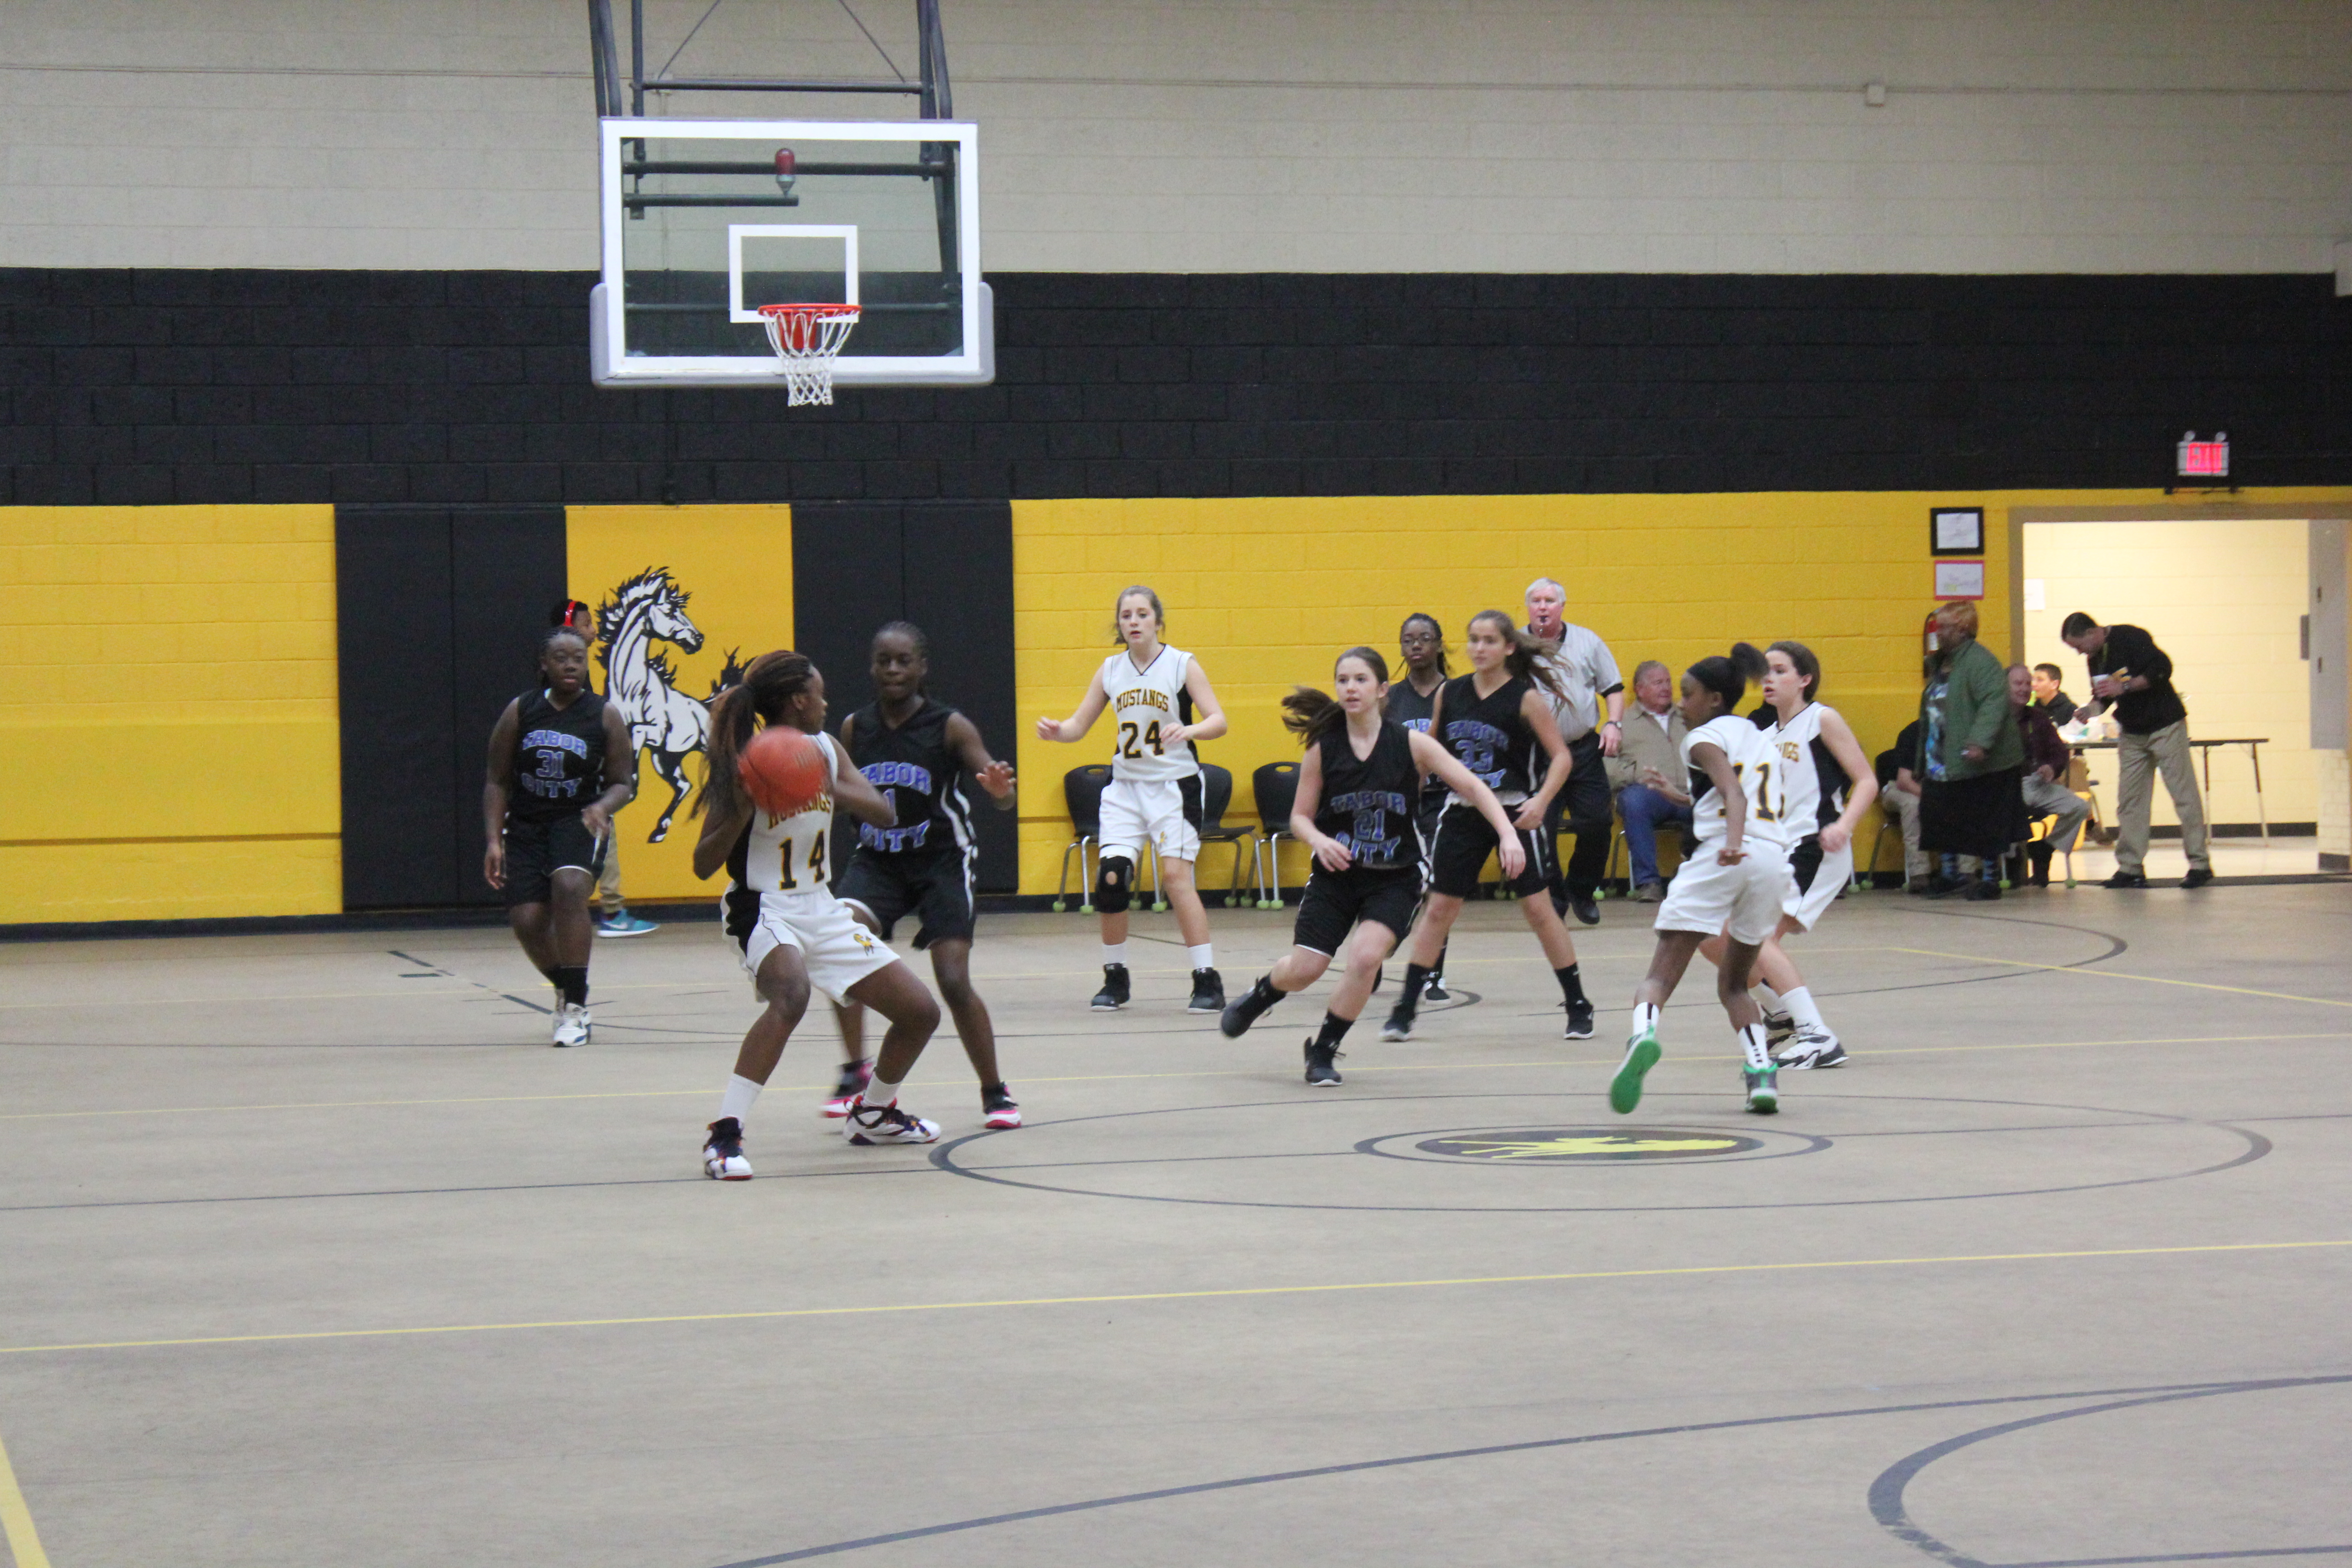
[
  {"x": 1584, "y": 1145},
  {"x": 1312, "y": 1154}
]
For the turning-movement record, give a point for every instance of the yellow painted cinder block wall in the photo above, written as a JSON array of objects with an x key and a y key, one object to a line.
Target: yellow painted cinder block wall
[
  {"x": 168, "y": 742},
  {"x": 1267, "y": 590}
]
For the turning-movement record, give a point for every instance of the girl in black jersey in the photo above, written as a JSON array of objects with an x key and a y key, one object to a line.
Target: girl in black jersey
[
  {"x": 915, "y": 752},
  {"x": 1496, "y": 722},
  {"x": 1411, "y": 703},
  {"x": 1357, "y": 791},
  {"x": 561, "y": 764}
]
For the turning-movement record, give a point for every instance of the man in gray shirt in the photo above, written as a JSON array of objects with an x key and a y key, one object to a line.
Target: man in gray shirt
[{"x": 1587, "y": 672}]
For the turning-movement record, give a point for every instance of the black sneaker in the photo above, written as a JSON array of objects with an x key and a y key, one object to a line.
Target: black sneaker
[
  {"x": 1208, "y": 992},
  {"x": 1585, "y": 906},
  {"x": 1319, "y": 1070},
  {"x": 2198, "y": 877},
  {"x": 998, "y": 1111},
  {"x": 722, "y": 1153},
  {"x": 1580, "y": 1022},
  {"x": 1982, "y": 890},
  {"x": 1114, "y": 994},
  {"x": 1400, "y": 1024},
  {"x": 2125, "y": 880},
  {"x": 1252, "y": 1007},
  {"x": 1435, "y": 990}
]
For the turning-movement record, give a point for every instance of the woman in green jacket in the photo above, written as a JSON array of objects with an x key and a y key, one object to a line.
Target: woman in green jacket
[{"x": 1971, "y": 760}]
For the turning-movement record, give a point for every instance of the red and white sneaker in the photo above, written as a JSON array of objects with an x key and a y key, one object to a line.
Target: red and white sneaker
[
  {"x": 886, "y": 1125},
  {"x": 854, "y": 1078},
  {"x": 998, "y": 1112}
]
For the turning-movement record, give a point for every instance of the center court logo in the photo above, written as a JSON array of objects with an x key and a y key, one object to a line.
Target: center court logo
[{"x": 1588, "y": 1145}]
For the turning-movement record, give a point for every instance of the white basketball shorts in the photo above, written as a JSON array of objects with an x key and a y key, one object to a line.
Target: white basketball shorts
[
  {"x": 1815, "y": 880},
  {"x": 1163, "y": 812},
  {"x": 836, "y": 950},
  {"x": 1743, "y": 902}
]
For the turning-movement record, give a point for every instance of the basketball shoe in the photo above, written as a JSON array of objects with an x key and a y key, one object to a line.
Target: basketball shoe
[
  {"x": 853, "y": 1077},
  {"x": 722, "y": 1153},
  {"x": 1114, "y": 994},
  {"x": 570, "y": 1024},
  {"x": 998, "y": 1112},
  {"x": 886, "y": 1125}
]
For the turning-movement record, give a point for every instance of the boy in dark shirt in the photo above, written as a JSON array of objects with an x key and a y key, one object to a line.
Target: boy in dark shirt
[
  {"x": 2047, "y": 759},
  {"x": 2133, "y": 678},
  {"x": 2049, "y": 696}
]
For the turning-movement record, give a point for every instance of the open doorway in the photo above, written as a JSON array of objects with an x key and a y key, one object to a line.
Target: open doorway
[{"x": 2230, "y": 599}]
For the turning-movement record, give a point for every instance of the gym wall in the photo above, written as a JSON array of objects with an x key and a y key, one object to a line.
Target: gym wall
[
  {"x": 169, "y": 712},
  {"x": 1678, "y": 136}
]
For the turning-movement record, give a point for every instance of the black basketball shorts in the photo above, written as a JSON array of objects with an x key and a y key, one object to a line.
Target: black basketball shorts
[
  {"x": 536, "y": 851},
  {"x": 938, "y": 886},
  {"x": 1464, "y": 838},
  {"x": 1335, "y": 900}
]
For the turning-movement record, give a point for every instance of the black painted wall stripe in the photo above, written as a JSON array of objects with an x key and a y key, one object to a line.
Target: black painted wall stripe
[{"x": 160, "y": 385}]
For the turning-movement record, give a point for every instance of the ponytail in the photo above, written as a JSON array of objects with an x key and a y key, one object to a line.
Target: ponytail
[
  {"x": 1727, "y": 675},
  {"x": 1525, "y": 657},
  {"x": 764, "y": 695},
  {"x": 1311, "y": 715}
]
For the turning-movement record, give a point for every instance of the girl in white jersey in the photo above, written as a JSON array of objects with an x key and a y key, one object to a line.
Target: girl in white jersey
[
  {"x": 782, "y": 917},
  {"x": 1161, "y": 702},
  {"x": 1830, "y": 785},
  {"x": 1734, "y": 885}
]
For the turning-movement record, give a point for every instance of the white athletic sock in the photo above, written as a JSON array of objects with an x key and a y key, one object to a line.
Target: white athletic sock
[
  {"x": 1751, "y": 1043},
  {"x": 1114, "y": 952},
  {"x": 1799, "y": 1004},
  {"x": 737, "y": 1102},
  {"x": 1772, "y": 1000},
  {"x": 877, "y": 1092},
  {"x": 1203, "y": 956},
  {"x": 1645, "y": 1016}
]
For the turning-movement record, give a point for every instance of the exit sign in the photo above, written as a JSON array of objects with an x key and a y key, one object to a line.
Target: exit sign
[{"x": 2205, "y": 460}]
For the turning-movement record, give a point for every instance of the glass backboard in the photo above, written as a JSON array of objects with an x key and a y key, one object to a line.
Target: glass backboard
[{"x": 706, "y": 220}]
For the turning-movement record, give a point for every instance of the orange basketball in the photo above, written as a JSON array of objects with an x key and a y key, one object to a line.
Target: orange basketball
[{"x": 783, "y": 770}]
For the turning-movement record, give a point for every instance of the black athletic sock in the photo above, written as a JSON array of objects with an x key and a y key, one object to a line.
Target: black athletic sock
[
  {"x": 1571, "y": 983},
  {"x": 554, "y": 975},
  {"x": 573, "y": 981},
  {"x": 1264, "y": 995},
  {"x": 1335, "y": 1030},
  {"x": 1415, "y": 978}
]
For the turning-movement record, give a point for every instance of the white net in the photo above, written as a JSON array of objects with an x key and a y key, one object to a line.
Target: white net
[{"x": 807, "y": 338}]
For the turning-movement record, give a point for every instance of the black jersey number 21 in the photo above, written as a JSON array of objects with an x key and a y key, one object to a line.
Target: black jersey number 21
[{"x": 1128, "y": 735}]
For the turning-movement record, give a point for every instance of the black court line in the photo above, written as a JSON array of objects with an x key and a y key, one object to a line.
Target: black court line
[
  {"x": 943, "y": 1156},
  {"x": 1886, "y": 1504},
  {"x": 2160, "y": 1391},
  {"x": 444, "y": 1192}
]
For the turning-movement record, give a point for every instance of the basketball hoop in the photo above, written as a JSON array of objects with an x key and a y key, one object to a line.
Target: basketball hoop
[{"x": 807, "y": 338}]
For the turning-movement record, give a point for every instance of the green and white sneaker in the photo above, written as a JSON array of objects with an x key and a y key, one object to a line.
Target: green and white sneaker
[
  {"x": 1641, "y": 1054},
  {"x": 1763, "y": 1089}
]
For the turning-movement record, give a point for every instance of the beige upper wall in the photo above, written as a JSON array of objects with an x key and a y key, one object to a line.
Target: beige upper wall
[{"x": 1349, "y": 135}]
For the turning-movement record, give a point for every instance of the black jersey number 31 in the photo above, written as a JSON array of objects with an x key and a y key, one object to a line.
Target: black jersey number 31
[{"x": 1128, "y": 735}]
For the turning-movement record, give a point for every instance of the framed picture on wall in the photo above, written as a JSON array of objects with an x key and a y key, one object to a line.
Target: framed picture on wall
[
  {"x": 1956, "y": 531},
  {"x": 1960, "y": 579}
]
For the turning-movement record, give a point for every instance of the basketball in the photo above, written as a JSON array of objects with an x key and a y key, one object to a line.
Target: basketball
[{"x": 781, "y": 770}]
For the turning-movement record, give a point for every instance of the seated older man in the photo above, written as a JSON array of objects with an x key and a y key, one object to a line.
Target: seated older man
[
  {"x": 2046, "y": 761},
  {"x": 1649, "y": 748},
  {"x": 1898, "y": 797}
]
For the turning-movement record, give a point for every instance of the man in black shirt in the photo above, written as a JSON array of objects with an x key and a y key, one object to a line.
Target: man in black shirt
[{"x": 2132, "y": 677}]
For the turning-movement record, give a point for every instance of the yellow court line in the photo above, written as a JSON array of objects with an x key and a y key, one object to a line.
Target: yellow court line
[
  {"x": 1135, "y": 1077},
  {"x": 1172, "y": 1296},
  {"x": 2119, "y": 975},
  {"x": 16, "y": 1519}
]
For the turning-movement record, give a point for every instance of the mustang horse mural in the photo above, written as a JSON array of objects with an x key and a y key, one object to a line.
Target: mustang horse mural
[{"x": 663, "y": 722}]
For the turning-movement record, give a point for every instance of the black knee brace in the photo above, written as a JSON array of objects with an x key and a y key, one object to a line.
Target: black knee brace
[{"x": 1113, "y": 884}]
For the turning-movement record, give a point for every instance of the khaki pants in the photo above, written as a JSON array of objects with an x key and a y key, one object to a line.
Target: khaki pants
[
  {"x": 1904, "y": 809},
  {"x": 2042, "y": 799},
  {"x": 2138, "y": 759}
]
